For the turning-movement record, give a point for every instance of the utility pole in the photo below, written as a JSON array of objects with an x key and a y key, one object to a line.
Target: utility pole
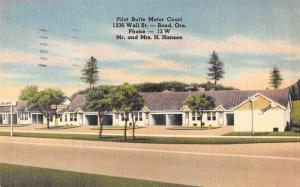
[{"x": 252, "y": 100}]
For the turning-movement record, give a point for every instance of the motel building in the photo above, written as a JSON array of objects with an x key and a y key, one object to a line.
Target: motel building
[{"x": 262, "y": 110}]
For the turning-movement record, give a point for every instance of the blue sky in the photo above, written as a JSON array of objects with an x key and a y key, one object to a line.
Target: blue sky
[{"x": 249, "y": 36}]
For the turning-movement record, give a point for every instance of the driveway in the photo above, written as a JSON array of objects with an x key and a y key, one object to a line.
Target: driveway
[{"x": 151, "y": 130}]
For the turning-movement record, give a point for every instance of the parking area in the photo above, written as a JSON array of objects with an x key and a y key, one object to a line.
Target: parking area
[{"x": 150, "y": 130}]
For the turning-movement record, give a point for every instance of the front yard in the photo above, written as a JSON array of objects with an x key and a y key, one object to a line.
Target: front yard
[
  {"x": 262, "y": 134},
  {"x": 158, "y": 139}
]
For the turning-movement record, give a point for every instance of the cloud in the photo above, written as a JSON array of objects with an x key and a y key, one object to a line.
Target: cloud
[
  {"x": 257, "y": 79},
  {"x": 192, "y": 45}
]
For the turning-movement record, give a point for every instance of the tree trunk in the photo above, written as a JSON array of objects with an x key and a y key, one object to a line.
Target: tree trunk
[
  {"x": 133, "y": 126},
  {"x": 48, "y": 121},
  {"x": 125, "y": 128},
  {"x": 201, "y": 119},
  {"x": 215, "y": 82},
  {"x": 100, "y": 125}
]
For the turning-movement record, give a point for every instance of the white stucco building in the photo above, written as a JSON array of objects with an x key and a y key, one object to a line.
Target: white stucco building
[{"x": 261, "y": 110}]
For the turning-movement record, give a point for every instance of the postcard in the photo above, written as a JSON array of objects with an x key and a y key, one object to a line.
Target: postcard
[{"x": 149, "y": 93}]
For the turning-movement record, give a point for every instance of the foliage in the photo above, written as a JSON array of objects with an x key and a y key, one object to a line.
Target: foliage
[
  {"x": 211, "y": 86},
  {"x": 275, "y": 78},
  {"x": 45, "y": 101},
  {"x": 295, "y": 90},
  {"x": 99, "y": 99},
  {"x": 199, "y": 103},
  {"x": 28, "y": 92},
  {"x": 90, "y": 72},
  {"x": 126, "y": 99},
  {"x": 216, "y": 69}
]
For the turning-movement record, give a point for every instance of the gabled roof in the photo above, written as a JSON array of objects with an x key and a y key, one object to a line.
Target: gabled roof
[
  {"x": 173, "y": 101},
  {"x": 77, "y": 102},
  {"x": 228, "y": 98},
  {"x": 21, "y": 106}
]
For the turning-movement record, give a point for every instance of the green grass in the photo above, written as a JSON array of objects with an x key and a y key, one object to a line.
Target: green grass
[
  {"x": 295, "y": 115},
  {"x": 263, "y": 134},
  {"x": 13, "y": 175},
  {"x": 157, "y": 140},
  {"x": 192, "y": 127}
]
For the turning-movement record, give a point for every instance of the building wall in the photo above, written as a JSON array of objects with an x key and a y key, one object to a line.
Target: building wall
[
  {"x": 143, "y": 120},
  {"x": 210, "y": 118},
  {"x": 262, "y": 121}
]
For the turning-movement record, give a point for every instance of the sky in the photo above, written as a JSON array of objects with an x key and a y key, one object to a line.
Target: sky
[{"x": 251, "y": 37}]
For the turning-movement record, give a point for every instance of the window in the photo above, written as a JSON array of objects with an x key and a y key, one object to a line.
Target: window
[
  {"x": 147, "y": 116},
  {"x": 117, "y": 116},
  {"x": 135, "y": 116},
  {"x": 214, "y": 116},
  {"x": 208, "y": 116},
  {"x": 193, "y": 116},
  {"x": 73, "y": 117},
  {"x": 66, "y": 117},
  {"x": 199, "y": 116},
  {"x": 275, "y": 129},
  {"x": 122, "y": 117},
  {"x": 141, "y": 116},
  {"x": 220, "y": 115},
  {"x": 187, "y": 115},
  {"x": 3, "y": 116}
]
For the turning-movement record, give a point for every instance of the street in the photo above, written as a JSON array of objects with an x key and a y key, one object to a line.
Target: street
[{"x": 200, "y": 165}]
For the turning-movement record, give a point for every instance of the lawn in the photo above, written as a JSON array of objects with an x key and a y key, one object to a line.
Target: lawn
[
  {"x": 13, "y": 175},
  {"x": 295, "y": 115},
  {"x": 158, "y": 140},
  {"x": 263, "y": 134}
]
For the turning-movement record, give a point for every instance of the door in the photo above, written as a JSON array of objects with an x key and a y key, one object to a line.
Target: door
[
  {"x": 1, "y": 119},
  {"x": 230, "y": 119},
  {"x": 220, "y": 118}
]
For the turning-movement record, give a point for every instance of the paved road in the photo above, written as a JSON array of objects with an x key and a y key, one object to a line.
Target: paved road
[{"x": 201, "y": 165}]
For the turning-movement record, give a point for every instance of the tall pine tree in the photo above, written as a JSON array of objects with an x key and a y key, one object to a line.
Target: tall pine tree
[
  {"x": 90, "y": 72},
  {"x": 275, "y": 78},
  {"x": 216, "y": 69}
]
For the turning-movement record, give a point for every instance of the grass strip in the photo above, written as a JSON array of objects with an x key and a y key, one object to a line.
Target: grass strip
[
  {"x": 157, "y": 140},
  {"x": 262, "y": 134},
  {"x": 14, "y": 175}
]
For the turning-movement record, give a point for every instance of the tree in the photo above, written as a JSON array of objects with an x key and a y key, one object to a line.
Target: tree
[
  {"x": 28, "y": 92},
  {"x": 137, "y": 105},
  {"x": 293, "y": 93},
  {"x": 43, "y": 100},
  {"x": 57, "y": 98},
  {"x": 275, "y": 78},
  {"x": 90, "y": 72},
  {"x": 216, "y": 69},
  {"x": 99, "y": 99},
  {"x": 126, "y": 99},
  {"x": 198, "y": 103}
]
